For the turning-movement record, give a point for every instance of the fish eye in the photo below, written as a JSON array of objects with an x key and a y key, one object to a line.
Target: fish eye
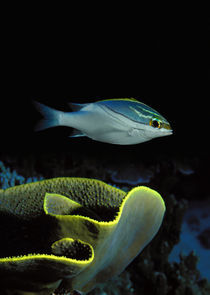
[{"x": 155, "y": 123}]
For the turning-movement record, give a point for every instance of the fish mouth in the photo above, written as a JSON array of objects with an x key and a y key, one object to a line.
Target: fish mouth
[
  {"x": 167, "y": 132},
  {"x": 166, "y": 129}
]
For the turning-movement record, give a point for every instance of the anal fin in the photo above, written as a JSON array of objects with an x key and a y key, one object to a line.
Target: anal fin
[{"x": 77, "y": 133}]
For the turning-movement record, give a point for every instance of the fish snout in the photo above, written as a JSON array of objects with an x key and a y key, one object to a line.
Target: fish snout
[{"x": 166, "y": 132}]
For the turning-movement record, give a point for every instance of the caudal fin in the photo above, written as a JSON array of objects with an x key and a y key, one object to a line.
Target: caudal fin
[{"x": 51, "y": 117}]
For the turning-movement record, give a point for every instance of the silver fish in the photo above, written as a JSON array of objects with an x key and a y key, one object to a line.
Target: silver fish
[{"x": 118, "y": 121}]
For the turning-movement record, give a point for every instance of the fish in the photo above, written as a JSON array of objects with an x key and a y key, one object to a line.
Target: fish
[{"x": 121, "y": 121}]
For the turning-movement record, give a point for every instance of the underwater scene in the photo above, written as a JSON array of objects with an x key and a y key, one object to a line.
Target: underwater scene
[{"x": 104, "y": 196}]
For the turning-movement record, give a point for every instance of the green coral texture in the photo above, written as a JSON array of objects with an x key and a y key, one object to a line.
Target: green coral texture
[{"x": 66, "y": 234}]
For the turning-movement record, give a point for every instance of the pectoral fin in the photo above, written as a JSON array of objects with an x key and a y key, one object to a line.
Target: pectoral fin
[{"x": 135, "y": 132}]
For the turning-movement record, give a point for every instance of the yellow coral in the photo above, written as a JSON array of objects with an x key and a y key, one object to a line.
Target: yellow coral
[{"x": 82, "y": 232}]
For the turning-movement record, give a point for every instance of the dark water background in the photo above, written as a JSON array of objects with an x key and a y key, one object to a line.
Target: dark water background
[{"x": 161, "y": 62}]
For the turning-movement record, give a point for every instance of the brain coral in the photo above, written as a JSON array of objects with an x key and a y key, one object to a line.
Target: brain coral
[{"x": 66, "y": 234}]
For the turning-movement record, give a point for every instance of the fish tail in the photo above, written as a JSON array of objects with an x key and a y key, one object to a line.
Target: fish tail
[{"x": 51, "y": 117}]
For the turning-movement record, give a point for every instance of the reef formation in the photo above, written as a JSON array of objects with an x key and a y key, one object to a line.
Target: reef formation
[
  {"x": 150, "y": 272},
  {"x": 67, "y": 234}
]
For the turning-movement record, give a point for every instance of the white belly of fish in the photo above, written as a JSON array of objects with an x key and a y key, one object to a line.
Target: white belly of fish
[{"x": 102, "y": 124}]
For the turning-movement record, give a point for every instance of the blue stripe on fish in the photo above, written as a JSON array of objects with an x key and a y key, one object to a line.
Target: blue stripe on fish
[{"x": 131, "y": 108}]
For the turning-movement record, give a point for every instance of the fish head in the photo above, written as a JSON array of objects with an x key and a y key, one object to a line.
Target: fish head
[
  {"x": 151, "y": 123},
  {"x": 158, "y": 126},
  {"x": 131, "y": 121}
]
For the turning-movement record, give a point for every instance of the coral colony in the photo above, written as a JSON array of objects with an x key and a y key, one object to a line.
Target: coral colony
[
  {"x": 10, "y": 178},
  {"x": 89, "y": 232},
  {"x": 47, "y": 247}
]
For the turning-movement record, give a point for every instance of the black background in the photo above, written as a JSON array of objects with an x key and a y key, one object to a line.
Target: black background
[{"x": 162, "y": 63}]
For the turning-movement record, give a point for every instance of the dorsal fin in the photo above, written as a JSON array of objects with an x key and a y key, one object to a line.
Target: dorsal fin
[{"x": 77, "y": 106}]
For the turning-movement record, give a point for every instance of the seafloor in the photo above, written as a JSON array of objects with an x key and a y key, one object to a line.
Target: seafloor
[{"x": 177, "y": 261}]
